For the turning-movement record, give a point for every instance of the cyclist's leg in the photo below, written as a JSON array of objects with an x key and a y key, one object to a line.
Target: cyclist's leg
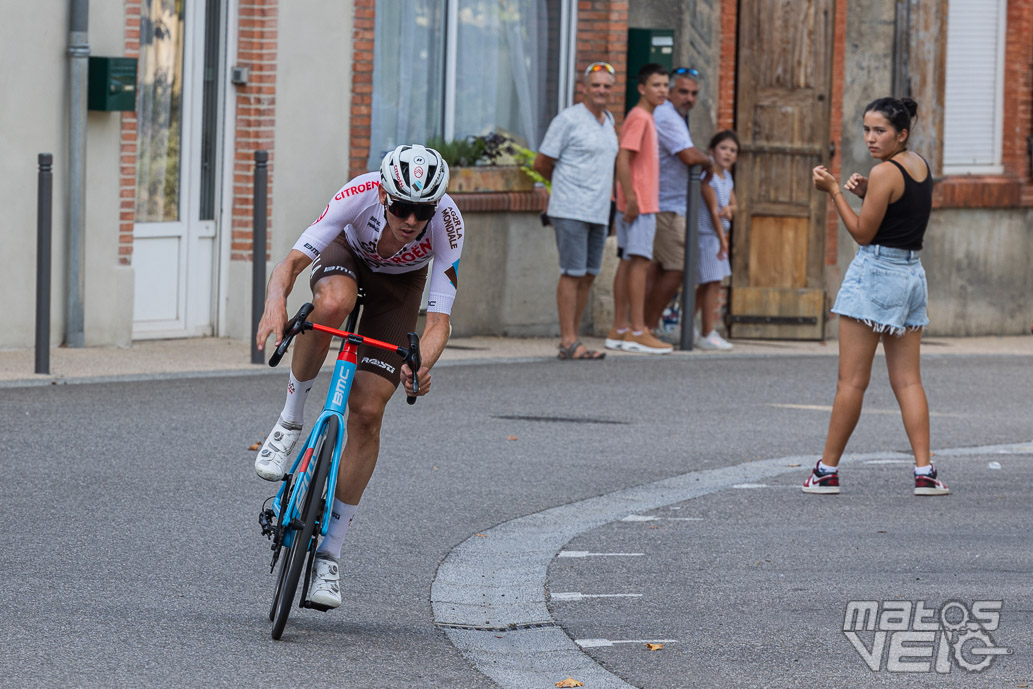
[
  {"x": 369, "y": 396},
  {"x": 333, "y": 298}
]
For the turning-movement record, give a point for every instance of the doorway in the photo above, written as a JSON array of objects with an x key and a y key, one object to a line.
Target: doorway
[
  {"x": 174, "y": 234},
  {"x": 783, "y": 91}
]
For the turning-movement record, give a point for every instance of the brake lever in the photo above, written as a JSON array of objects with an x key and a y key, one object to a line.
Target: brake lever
[
  {"x": 415, "y": 361},
  {"x": 295, "y": 326}
]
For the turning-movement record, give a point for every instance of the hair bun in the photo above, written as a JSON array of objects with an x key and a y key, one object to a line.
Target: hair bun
[{"x": 911, "y": 105}]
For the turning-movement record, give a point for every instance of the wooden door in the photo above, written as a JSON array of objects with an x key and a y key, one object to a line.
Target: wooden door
[{"x": 782, "y": 118}]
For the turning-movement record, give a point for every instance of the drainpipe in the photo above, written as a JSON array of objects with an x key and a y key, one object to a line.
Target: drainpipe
[{"x": 78, "y": 63}]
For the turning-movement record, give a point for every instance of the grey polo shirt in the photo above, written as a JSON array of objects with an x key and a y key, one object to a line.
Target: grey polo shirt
[{"x": 584, "y": 151}]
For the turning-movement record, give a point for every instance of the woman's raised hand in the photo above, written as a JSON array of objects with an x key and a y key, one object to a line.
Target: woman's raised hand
[
  {"x": 857, "y": 185},
  {"x": 823, "y": 180}
]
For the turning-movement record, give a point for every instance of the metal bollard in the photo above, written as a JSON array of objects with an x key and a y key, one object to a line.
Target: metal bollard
[
  {"x": 258, "y": 250},
  {"x": 44, "y": 217},
  {"x": 688, "y": 281}
]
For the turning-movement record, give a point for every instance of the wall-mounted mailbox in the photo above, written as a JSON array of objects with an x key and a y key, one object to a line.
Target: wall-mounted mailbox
[{"x": 112, "y": 83}]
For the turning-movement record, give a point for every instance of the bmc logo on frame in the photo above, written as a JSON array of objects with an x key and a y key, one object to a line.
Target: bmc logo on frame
[{"x": 923, "y": 639}]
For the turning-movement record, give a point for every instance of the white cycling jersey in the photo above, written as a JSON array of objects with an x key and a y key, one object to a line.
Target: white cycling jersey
[{"x": 356, "y": 211}]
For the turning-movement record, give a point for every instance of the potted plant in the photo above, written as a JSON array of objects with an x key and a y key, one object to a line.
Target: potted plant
[{"x": 489, "y": 163}]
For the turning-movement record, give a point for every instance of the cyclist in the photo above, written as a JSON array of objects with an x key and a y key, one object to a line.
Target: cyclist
[{"x": 378, "y": 232}]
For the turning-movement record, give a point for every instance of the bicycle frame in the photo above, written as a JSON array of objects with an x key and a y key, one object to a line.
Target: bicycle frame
[{"x": 336, "y": 402}]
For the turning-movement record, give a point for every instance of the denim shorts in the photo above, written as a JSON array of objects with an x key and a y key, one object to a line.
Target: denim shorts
[
  {"x": 885, "y": 289},
  {"x": 580, "y": 246},
  {"x": 636, "y": 238}
]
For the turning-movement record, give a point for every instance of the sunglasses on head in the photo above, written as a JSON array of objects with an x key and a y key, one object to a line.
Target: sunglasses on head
[
  {"x": 687, "y": 71},
  {"x": 403, "y": 209},
  {"x": 598, "y": 67}
]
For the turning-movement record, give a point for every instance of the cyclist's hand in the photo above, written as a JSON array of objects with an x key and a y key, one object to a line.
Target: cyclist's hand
[
  {"x": 274, "y": 322},
  {"x": 424, "y": 377}
]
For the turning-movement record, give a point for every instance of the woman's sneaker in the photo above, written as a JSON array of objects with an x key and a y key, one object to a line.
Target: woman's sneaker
[
  {"x": 271, "y": 463},
  {"x": 822, "y": 482},
  {"x": 930, "y": 485},
  {"x": 714, "y": 341},
  {"x": 325, "y": 588}
]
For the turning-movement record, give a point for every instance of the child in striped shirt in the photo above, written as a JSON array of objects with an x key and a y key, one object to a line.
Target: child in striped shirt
[{"x": 715, "y": 217}]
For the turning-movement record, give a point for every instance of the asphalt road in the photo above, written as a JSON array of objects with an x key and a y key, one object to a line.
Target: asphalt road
[{"x": 133, "y": 555}]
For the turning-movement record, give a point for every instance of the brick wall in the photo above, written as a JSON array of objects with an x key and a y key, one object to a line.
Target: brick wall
[
  {"x": 127, "y": 144},
  {"x": 602, "y": 36},
  {"x": 726, "y": 75},
  {"x": 362, "y": 84},
  {"x": 255, "y": 106},
  {"x": 836, "y": 125}
]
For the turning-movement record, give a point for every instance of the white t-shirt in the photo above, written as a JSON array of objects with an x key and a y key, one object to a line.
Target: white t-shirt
[
  {"x": 356, "y": 211},
  {"x": 584, "y": 150}
]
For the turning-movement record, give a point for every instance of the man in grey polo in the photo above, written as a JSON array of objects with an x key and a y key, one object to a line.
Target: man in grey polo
[
  {"x": 577, "y": 157},
  {"x": 677, "y": 155}
]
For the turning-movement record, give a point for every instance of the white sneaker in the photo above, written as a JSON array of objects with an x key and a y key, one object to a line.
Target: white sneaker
[
  {"x": 325, "y": 587},
  {"x": 715, "y": 342},
  {"x": 271, "y": 463}
]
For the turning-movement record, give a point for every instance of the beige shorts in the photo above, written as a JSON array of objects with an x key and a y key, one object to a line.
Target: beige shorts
[{"x": 669, "y": 244}]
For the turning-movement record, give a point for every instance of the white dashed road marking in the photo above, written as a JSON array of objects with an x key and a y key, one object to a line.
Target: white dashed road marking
[
  {"x": 585, "y": 553},
  {"x": 578, "y": 596},
  {"x": 602, "y": 643},
  {"x": 488, "y": 595}
]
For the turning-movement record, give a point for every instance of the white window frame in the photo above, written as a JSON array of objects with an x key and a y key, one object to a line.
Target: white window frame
[{"x": 996, "y": 167}]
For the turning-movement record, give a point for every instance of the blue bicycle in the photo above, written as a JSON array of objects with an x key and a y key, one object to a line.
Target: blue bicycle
[{"x": 293, "y": 519}]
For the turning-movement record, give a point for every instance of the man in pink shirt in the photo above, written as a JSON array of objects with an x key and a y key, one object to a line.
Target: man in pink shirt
[{"x": 638, "y": 202}]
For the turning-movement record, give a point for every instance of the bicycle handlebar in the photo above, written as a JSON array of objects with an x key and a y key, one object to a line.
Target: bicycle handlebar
[{"x": 299, "y": 325}]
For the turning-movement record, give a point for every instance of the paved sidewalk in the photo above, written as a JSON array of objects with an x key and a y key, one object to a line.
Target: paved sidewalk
[{"x": 222, "y": 356}]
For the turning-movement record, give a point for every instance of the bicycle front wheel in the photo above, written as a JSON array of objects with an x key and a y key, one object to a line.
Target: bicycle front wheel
[{"x": 303, "y": 538}]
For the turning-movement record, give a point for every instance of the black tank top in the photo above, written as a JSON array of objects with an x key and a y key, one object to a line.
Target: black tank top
[{"x": 903, "y": 226}]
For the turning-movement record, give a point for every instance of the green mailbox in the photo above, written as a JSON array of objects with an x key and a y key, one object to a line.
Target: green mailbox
[
  {"x": 645, "y": 46},
  {"x": 112, "y": 83}
]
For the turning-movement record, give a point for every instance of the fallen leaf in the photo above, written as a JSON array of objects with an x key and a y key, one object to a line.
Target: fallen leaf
[
  {"x": 481, "y": 535},
  {"x": 653, "y": 527},
  {"x": 792, "y": 465},
  {"x": 513, "y": 437},
  {"x": 654, "y": 647},
  {"x": 435, "y": 468},
  {"x": 569, "y": 682},
  {"x": 255, "y": 446}
]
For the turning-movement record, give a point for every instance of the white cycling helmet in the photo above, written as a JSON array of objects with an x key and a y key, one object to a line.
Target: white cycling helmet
[{"x": 415, "y": 174}]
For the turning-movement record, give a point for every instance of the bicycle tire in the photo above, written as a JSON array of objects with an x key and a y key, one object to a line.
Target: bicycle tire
[
  {"x": 302, "y": 541},
  {"x": 281, "y": 574}
]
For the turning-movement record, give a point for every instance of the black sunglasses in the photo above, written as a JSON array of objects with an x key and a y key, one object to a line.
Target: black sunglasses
[
  {"x": 694, "y": 73},
  {"x": 403, "y": 209}
]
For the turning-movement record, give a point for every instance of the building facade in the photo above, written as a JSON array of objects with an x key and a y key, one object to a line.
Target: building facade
[{"x": 326, "y": 87}]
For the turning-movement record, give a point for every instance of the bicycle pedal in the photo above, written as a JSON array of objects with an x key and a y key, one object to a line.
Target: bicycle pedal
[{"x": 316, "y": 606}]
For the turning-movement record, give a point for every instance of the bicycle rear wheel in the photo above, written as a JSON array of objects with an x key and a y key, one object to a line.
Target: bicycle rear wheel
[{"x": 303, "y": 541}]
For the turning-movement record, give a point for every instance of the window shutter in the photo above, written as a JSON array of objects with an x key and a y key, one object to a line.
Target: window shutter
[{"x": 973, "y": 97}]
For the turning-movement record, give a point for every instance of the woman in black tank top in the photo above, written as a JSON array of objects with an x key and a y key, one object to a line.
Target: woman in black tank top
[{"x": 884, "y": 292}]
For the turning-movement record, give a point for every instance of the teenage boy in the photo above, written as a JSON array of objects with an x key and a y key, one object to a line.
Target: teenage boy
[{"x": 638, "y": 202}]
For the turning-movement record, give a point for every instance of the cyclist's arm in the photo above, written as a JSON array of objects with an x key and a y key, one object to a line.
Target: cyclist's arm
[
  {"x": 274, "y": 317},
  {"x": 435, "y": 337}
]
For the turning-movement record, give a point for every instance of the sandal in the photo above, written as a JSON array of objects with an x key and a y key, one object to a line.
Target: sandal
[{"x": 567, "y": 353}]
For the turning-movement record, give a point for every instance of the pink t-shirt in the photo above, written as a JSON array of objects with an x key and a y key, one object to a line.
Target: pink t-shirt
[{"x": 638, "y": 135}]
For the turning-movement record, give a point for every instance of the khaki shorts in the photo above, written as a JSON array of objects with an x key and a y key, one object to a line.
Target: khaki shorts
[
  {"x": 391, "y": 309},
  {"x": 669, "y": 244}
]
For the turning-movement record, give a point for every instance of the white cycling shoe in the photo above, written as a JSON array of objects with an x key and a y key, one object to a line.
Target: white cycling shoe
[
  {"x": 271, "y": 463},
  {"x": 325, "y": 588}
]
